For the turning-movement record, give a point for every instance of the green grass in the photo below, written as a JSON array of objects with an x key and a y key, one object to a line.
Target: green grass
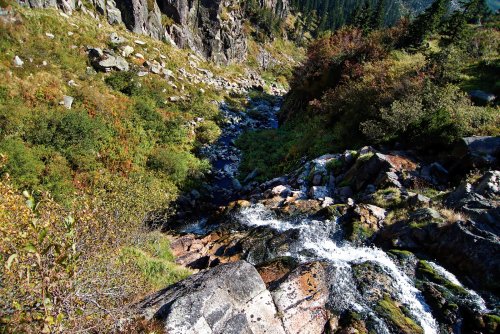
[
  {"x": 155, "y": 262},
  {"x": 388, "y": 198}
]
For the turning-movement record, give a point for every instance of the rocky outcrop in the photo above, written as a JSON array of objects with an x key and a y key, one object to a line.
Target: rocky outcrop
[
  {"x": 281, "y": 8},
  {"x": 212, "y": 29},
  {"x": 230, "y": 298},
  {"x": 233, "y": 298}
]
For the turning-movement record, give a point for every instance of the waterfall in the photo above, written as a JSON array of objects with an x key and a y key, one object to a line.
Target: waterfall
[{"x": 319, "y": 241}]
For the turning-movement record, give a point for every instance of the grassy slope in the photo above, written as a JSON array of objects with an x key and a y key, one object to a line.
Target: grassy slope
[{"x": 73, "y": 249}]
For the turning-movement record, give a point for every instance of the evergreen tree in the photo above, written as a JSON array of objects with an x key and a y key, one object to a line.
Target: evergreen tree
[
  {"x": 361, "y": 17},
  {"x": 426, "y": 23},
  {"x": 378, "y": 17}
]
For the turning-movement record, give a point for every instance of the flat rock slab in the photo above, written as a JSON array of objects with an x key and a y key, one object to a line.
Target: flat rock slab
[{"x": 230, "y": 298}]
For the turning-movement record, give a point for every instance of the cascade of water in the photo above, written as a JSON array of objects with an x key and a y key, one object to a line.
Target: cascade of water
[
  {"x": 317, "y": 243},
  {"x": 474, "y": 297}
]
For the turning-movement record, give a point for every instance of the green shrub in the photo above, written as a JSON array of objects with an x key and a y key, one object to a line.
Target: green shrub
[
  {"x": 123, "y": 82},
  {"x": 23, "y": 165},
  {"x": 57, "y": 175},
  {"x": 208, "y": 132},
  {"x": 155, "y": 262},
  {"x": 80, "y": 138},
  {"x": 174, "y": 163}
]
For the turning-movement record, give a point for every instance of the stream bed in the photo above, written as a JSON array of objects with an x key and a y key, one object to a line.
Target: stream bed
[{"x": 277, "y": 223}]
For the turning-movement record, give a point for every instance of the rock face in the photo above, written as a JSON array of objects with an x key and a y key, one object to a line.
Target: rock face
[
  {"x": 230, "y": 298},
  {"x": 233, "y": 298},
  {"x": 213, "y": 29}
]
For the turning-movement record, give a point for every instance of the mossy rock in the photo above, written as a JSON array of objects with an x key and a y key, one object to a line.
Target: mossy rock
[
  {"x": 388, "y": 198},
  {"x": 356, "y": 231},
  {"x": 388, "y": 309},
  {"x": 491, "y": 323},
  {"x": 403, "y": 254},
  {"x": 354, "y": 321},
  {"x": 425, "y": 270},
  {"x": 333, "y": 211}
]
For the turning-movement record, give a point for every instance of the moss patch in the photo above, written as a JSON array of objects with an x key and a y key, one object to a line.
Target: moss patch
[
  {"x": 425, "y": 270},
  {"x": 392, "y": 313}
]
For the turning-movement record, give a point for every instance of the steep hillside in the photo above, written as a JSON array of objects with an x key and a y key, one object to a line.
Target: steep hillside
[
  {"x": 215, "y": 30},
  {"x": 422, "y": 85},
  {"x": 101, "y": 128}
]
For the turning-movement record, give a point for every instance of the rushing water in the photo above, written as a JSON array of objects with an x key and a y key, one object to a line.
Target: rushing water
[{"x": 319, "y": 240}]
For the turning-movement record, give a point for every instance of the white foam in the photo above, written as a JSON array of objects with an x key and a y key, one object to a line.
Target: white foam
[{"x": 316, "y": 243}]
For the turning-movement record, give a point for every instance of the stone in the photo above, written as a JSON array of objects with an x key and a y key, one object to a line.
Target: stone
[
  {"x": 113, "y": 14},
  {"x": 344, "y": 192},
  {"x": 67, "y": 101},
  {"x": 49, "y": 35},
  {"x": 251, "y": 176},
  {"x": 115, "y": 39},
  {"x": 425, "y": 214},
  {"x": 489, "y": 184},
  {"x": 156, "y": 69},
  {"x": 114, "y": 62},
  {"x": 477, "y": 152},
  {"x": 139, "y": 42},
  {"x": 281, "y": 190},
  {"x": 419, "y": 201},
  {"x": 18, "y": 62},
  {"x": 319, "y": 192},
  {"x": 127, "y": 50},
  {"x": 327, "y": 202},
  {"x": 316, "y": 181},
  {"x": 230, "y": 298}
]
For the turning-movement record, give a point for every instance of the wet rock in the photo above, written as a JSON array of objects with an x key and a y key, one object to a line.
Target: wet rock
[
  {"x": 274, "y": 271},
  {"x": 317, "y": 179},
  {"x": 251, "y": 176},
  {"x": 461, "y": 246},
  {"x": 230, "y": 298},
  {"x": 319, "y": 192},
  {"x": 300, "y": 207}
]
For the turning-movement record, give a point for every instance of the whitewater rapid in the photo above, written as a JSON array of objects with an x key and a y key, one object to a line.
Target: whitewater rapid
[{"x": 319, "y": 240}]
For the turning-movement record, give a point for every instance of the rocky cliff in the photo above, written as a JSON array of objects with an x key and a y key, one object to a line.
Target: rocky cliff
[{"x": 213, "y": 29}]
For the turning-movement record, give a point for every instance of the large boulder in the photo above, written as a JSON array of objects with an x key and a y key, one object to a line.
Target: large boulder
[
  {"x": 477, "y": 151},
  {"x": 480, "y": 201},
  {"x": 460, "y": 246},
  {"x": 106, "y": 60},
  {"x": 301, "y": 299},
  {"x": 231, "y": 298}
]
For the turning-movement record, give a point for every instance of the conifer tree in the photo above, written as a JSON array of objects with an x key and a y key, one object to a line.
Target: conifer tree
[
  {"x": 426, "y": 23},
  {"x": 378, "y": 17}
]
